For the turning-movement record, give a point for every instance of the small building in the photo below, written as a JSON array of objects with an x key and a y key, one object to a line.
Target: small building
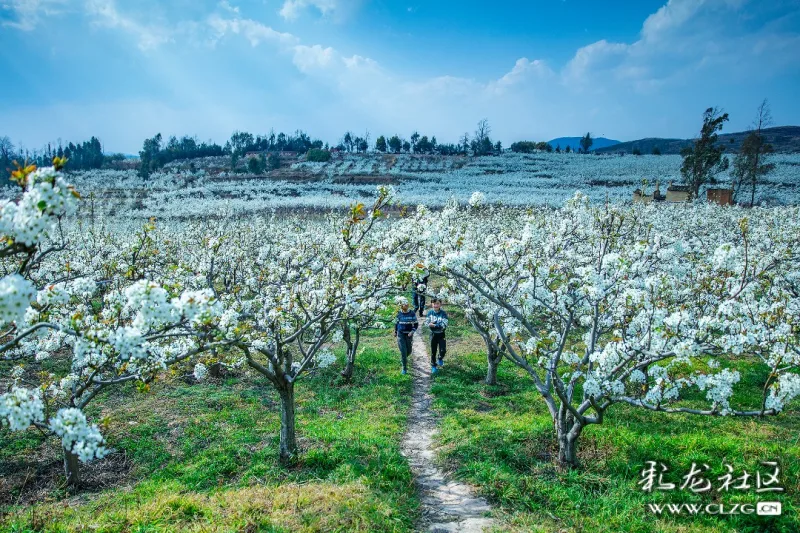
[
  {"x": 677, "y": 193},
  {"x": 657, "y": 196},
  {"x": 640, "y": 197},
  {"x": 720, "y": 196}
]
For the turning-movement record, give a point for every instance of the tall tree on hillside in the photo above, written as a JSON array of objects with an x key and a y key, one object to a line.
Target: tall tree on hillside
[
  {"x": 6, "y": 153},
  {"x": 380, "y": 144},
  {"x": 586, "y": 142},
  {"x": 240, "y": 141},
  {"x": 751, "y": 162},
  {"x": 414, "y": 139},
  {"x": 464, "y": 143},
  {"x": 703, "y": 160},
  {"x": 147, "y": 157},
  {"x": 348, "y": 141},
  {"x": 424, "y": 146},
  {"x": 395, "y": 144},
  {"x": 280, "y": 142},
  {"x": 482, "y": 143}
]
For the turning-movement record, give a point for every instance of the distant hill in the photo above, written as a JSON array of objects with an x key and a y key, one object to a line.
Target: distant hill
[
  {"x": 575, "y": 142},
  {"x": 783, "y": 139}
]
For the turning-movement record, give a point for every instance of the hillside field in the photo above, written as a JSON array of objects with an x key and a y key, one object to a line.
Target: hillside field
[{"x": 196, "y": 188}]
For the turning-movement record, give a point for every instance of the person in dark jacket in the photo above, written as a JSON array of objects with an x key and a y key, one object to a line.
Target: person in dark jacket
[
  {"x": 420, "y": 286},
  {"x": 437, "y": 321},
  {"x": 404, "y": 327}
]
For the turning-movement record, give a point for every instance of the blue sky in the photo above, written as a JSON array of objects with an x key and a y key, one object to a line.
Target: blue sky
[{"x": 125, "y": 70}]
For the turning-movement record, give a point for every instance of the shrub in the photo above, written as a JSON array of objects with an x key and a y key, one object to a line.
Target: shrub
[
  {"x": 318, "y": 156},
  {"x": 523, "y": 147},
  {"x": 254, "y": 165},
  {"x": 274, "y": 162}
]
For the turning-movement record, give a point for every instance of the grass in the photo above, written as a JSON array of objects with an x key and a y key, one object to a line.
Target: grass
[
  {"x": 204, "y": 457},
  {"x": 501, "y": 439}
]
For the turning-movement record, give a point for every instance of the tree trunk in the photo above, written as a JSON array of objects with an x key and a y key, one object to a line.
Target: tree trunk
[
  {"x": 352, "y": 347},
  {"x": 349, "y": 366},
  {"x": 567, "y": 452},
  {"x": 288, "y": 443},
  {"x": 491, "y": 372},
  {"x": 493, "y": 358},
  {"x": 71, "y": 468},
  {"x": 569, "y": 430}
]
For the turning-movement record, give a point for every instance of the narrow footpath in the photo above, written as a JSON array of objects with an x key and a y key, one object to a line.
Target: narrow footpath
[{"x": 447, "y": 505}]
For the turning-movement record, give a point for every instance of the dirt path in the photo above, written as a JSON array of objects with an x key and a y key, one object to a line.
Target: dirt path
[{"x": 447, "y": 505}]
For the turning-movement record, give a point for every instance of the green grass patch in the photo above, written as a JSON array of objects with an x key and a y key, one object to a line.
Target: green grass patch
[
  {"x": 501, "y": 439},
  {"x": 204, "y": 457}
]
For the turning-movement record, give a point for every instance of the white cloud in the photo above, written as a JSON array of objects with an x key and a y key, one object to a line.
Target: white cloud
[
  {"x": 101, "y": 13},
  {"x": 524, "y": 70},
  {"x": 669, "y": 17},
  {"x": 291, "y": 9},
  {"x": 596, "y": 56},
  {"x": 677, "y": 43},
  {"x": 28, "y": 13},
  {"x": 105, "y": 13},
  {"x": 253, "y": 31},
  {"x": 308, "y": 58},
  {"x": 224, "y": 4}
]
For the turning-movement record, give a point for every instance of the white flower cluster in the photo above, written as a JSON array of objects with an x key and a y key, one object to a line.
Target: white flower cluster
[
  {"x": 128, "y": 342},
  {"x": 477, "y": 199},
  {"x": 786, "y": 389},
  {"x": 198, "y": 306},
  {"x": 151, "y": 304},
  {"x": 153, "y": 307},
  {"x": 47, "y": 196},
  {"x": 16, "y": 295},
  {"x": 77, "y": 435},
  {"x": 325, "y": 358},
  {"x": 53, "y": 295},
  {"x": 60, "y": 293},
  {"x": 720, "y": 387},
  {"x": 200, "y": 372},
  {"x": 20, "y": 408}
]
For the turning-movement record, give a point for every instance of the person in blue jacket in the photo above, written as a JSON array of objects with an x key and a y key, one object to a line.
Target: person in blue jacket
[
  {"x": 437, "y": 321},
  {"x": 404, "y": 327},
  {"x": 419, "y": 288}
]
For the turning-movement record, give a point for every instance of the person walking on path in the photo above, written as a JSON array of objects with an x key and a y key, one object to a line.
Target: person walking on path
[
  {"x": 437, "y": 321},
  {"x": 419, "y": 287},
  {"x": 404, "y": 327}
]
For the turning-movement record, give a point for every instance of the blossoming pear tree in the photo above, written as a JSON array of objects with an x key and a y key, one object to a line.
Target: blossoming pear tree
[
  {"x": 478, "y": 310},
  {"x": 297, "y": 287},
  {"x": 651, "y": 307},
  {"x": 77, "y": 322}
]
